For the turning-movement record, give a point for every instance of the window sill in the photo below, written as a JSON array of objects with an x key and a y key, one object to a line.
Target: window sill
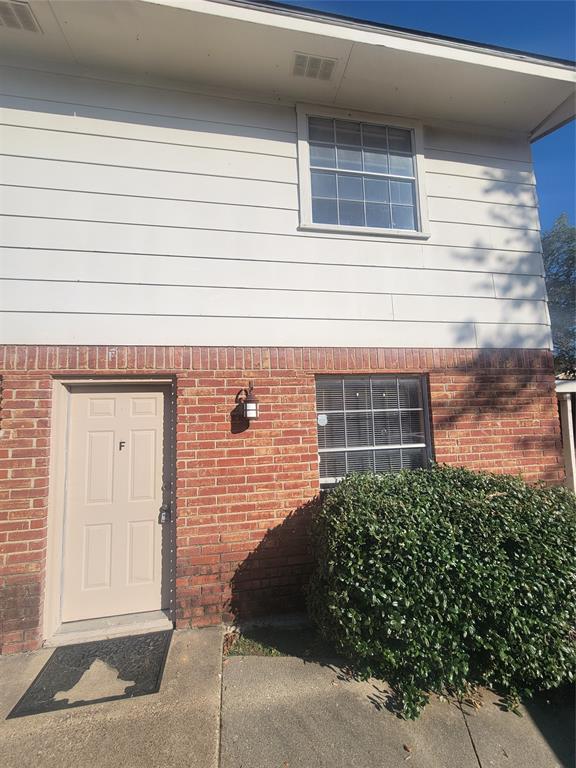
[{"x": 407, "y": 234}]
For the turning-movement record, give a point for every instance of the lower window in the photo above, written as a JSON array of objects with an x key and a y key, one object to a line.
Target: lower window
[{"x": 371, "y": 424}]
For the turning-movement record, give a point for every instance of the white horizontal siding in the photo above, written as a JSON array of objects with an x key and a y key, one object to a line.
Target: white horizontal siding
[
  {"x": 71, "y": 95},
  {"x": 33, "y": 264},
  {"x": 481, "y": 259},
  {"x": 96, "y": 207},
  {"x": 135, "y": 214},
  {"x": 504, "y": 336},
  {"x": 482, "y": 190},
  {"x": 452, "y": 163},
  {"x": 178, "y": 185},
  {"x": 477, "y": 143},
  {"x": 132, "y": 299},
  {"x": 519, "y": 287},
  {"x": 65, "y": 328},
  {"x": 499, "y": 238},
  {"x": 106, "y": 150},
  {"x": 156, "y": 130},
  {"x": 485, "y": 213},
  {"x": 143, "y": 211},
  {"x": 461, "y": 309},
  {"x": 65, "y": 235}
]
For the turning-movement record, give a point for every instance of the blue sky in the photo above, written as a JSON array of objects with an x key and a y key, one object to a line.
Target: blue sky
[{"x": 547, "y": 28}]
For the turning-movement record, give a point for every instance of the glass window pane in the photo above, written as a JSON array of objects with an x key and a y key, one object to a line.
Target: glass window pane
[
  {"x": 329, "y": 395},
  {"x": 412, "y": 427},
  {"x": 414, "y": 458},
  {"x": 367, "y": 149},
  {"x": 378, "y": 215},
  {"x": 400, "y": 140},
  {"x": 349, "y": 158},
  {"x": 357, "y": 393},
  {"x": 375, "y": 161},
  {"x": 321, "y": 129},
  {"x": 323, "y": 184},
  {"x": 350, "y": 187},
  {"x": 347, "y": 133},
  {"x": 359, "y": 429},
  {"x": 388, "y": 461},
  {"x": 403, "y": 217},
  {"x": 361, "y": 461},
  {"x": 374, "y": 136},
  {"x": 377, "y": 190},
  {"x": 352, "y": 419},
  {"x": 401, "y": 165},
  {"x": 387, "y": 428},
  {"x": 351, "y": 213},
  {"x": 322, "y": 155},
  {"x": 402, "y": 192},
  {"x": 410, "y": 393},
  {"x": 384, "y": 393},
  {"x": 333, "y": 464},
  {"x": 324, "y": 211},
  {"x": 332, "y": 434}
]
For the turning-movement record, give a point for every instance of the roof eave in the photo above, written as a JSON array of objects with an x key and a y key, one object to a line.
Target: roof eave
[
  {"x": 562, "y": 115},
  {"x": 334, "y": 19}
]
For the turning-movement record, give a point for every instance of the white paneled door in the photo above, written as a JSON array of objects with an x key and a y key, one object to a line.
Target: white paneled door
[{"x": 116, "y": 543}]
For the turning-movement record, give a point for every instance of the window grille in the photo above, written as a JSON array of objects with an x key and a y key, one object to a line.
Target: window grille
[
  {"x": 371, "y": 424},
  {"x": 362, "y": 175}
]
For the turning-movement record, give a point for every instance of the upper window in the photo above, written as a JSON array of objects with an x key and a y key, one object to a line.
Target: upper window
[
  {"x": 370, "y": 424},
  {"x": 361, "y": 175}
]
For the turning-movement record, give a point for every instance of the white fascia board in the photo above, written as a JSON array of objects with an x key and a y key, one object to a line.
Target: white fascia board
[
  {"x": 565, "y": 386},
  {"x": 357, "y": 33},
  {"x": 563, "y": 114}
]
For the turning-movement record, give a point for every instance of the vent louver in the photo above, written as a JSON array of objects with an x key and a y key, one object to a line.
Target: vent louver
[
  {"x": 18, "y": 15},
  {"x": 314, "y": 67}
]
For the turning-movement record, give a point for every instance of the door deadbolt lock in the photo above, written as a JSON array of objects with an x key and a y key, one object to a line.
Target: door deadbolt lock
[{"x": 165, "y": 513}]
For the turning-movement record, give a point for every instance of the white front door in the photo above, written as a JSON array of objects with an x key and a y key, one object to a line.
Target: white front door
[{"x": 115, "y": 546}]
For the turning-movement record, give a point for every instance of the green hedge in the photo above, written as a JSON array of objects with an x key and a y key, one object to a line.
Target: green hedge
[{"x": 441, "y": 578}]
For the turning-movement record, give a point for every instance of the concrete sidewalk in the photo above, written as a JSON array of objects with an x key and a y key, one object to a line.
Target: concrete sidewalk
[
  {"x": 179, "y": 726},
  {"x": 289, "y": 713},
  {"x": 275, "y": 712}
]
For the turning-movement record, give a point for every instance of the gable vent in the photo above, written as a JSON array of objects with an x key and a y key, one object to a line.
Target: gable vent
[
  {"x": 17, "y": 15},
  {"x": 313, "y": 67}
]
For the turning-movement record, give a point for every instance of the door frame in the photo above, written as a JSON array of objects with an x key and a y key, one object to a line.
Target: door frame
[{"x": 59, "y": 438}]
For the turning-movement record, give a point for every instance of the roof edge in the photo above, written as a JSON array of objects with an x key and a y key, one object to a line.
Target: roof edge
[
  {"x": 559, "y": 117},
  {"x": 326, "y": 17}
]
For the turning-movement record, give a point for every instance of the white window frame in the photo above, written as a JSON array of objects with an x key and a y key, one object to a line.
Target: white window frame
[
  {"x": 427, "y": 445},
  {"x": 303, "y": 112}
]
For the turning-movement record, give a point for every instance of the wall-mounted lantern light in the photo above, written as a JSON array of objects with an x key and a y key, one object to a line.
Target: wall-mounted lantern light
[{"x": 248, "y": 405}]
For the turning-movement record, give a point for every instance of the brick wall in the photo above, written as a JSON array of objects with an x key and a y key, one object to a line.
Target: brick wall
[{"x": 242, "y": 496}]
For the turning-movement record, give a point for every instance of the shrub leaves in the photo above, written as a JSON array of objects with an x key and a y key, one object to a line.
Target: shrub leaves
[{"x": 444, "y": 578}]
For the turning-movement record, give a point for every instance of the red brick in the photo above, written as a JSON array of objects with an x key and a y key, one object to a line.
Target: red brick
[{"x": 490, "y": 410}]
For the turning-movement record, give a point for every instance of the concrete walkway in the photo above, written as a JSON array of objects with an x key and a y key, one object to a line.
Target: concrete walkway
[
  {"x": 289, "y": 713},
  {"x": 270, "y": 712},
  {"x": 179, "y": 726}
]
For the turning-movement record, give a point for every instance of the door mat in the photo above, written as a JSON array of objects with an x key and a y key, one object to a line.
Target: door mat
[{"x": 102, "y": 670}]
